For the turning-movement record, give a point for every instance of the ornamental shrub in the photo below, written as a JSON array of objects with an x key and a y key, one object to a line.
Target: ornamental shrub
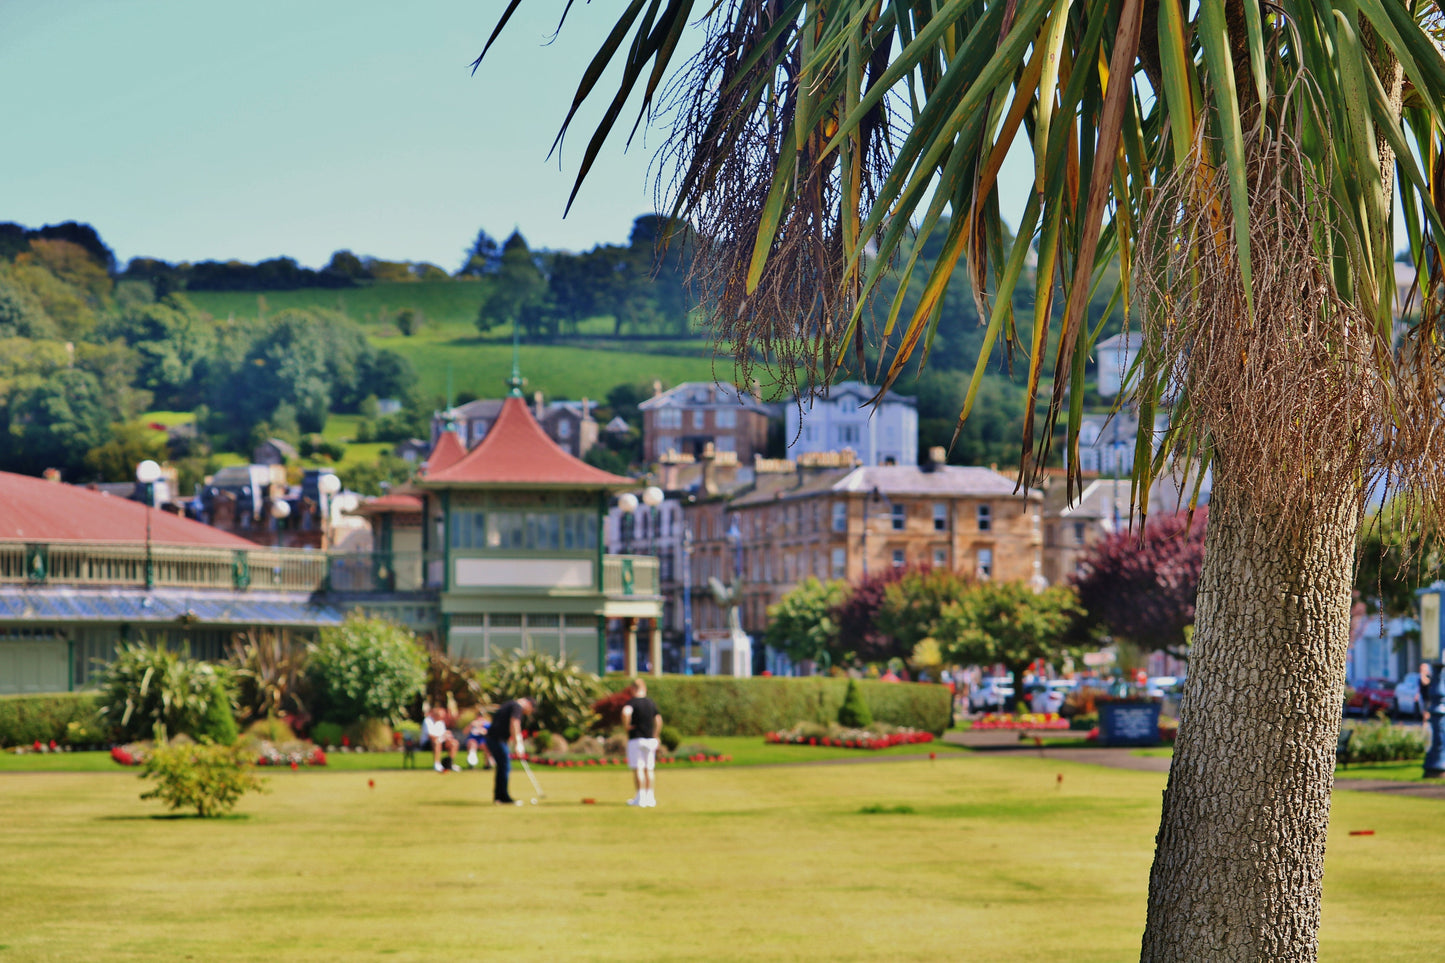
[
  {"x": 671, "y": 738},
  {"x": 145, "y": 686},
  {"x": 1384, "y": 742},
  {"x": 562, "y": 689},
  {"x": 365, "y": 668},
  {"x": 854, "y": 714},
  {"x": 327, "y": 733},
  {"x": 204, "y": 776}
]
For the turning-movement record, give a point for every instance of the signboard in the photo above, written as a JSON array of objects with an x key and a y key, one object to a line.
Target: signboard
[{"x": 1129, "y": 723}]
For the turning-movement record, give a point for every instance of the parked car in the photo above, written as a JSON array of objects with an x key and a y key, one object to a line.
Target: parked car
[
  {"x": 1407, "y": 695},
  {"x": 1045, "y": 697},
  {"x": 991, "y": 695},
  {"x": 1371, "y": 696}
]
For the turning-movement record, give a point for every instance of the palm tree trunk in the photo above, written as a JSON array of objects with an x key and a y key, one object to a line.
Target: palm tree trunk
[{"x": 1240, "y": 853}]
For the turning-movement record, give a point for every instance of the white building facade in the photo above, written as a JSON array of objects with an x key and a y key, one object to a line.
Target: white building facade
[{"x": 885, "y": 434}]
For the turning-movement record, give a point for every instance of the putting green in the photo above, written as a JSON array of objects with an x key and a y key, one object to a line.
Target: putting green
[{"x": 971, "y": 858}]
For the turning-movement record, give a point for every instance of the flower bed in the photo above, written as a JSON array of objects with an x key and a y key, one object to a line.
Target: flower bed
[
  {"x": 293, "y": 754},
  {"x": 840, "y": 738},
  {"x": 582, "y": 762},
  {"x": 1026, "y": 720}
]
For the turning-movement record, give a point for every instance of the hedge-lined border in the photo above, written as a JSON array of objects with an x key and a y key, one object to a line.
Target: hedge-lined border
[
  {"x": 722, "y": 706},
  {"x": 26, "y": 719}
]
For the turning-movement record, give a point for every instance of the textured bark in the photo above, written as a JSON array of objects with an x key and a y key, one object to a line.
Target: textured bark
[{"x": 1240, "y": 853}]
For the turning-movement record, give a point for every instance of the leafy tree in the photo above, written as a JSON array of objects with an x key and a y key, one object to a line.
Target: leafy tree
[
  {"x": 74, "y": 265},
  {"x": 71, "y": 313},
  {"x": 517, "y": 286},
  {"x": 146, "y": 687},
  {"x": 803, "y": 623},
  {"x": 81, "y": 235},
  {"x": 172, "y": 339},
  {"x": 365, "y": 668},
  {"x": 377, "y": 477},
  {"x": 913, "y": 606},
  {"x": 484, "y": 257},
  {"x": 1396, "y": 557},
  {"x": 344, "y": 264},
  {"x": 1248, "y": 158},
  {"x": 859, "y": 637},
  {"x": 1143, "y": 590},
  {"x": 1008, "y": 623},
  {"x": 129, "y": 445},
  {"x": 21, "y": 313},
  {"x": 54, "y": 421}
]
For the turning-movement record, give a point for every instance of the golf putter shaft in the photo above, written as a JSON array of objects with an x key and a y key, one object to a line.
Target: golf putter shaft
[{"x": 528, "y": 770}]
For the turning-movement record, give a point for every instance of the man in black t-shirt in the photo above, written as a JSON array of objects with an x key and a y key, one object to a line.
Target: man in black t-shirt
[
  {"x": 644, "y": 727},
  {"x": 506, "y": 731}
]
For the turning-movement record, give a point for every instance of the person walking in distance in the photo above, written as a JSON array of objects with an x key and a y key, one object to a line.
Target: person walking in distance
[
  {"x": 506, "y": 733},
  {"x": 644, "y": 727}
]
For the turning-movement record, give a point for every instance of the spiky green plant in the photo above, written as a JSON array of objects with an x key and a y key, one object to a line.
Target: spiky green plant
[{"x": 562, "y": 689}]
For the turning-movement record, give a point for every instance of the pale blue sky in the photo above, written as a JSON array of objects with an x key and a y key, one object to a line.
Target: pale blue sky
[
  {"x": 199, "y": 130},
  {"x": 189, "y": 130}
]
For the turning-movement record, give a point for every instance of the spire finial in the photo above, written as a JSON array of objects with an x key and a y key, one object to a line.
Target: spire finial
[{"x": 516, "y": 382}]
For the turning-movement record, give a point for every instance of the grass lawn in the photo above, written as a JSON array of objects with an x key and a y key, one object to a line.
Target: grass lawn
[{"x": 973, "y": 858}]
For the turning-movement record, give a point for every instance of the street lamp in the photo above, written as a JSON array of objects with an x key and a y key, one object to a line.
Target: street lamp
[
  {"x": 626, "y": 505},
  {"x": 328, "y": 485},
  {"x": 280, "y": 510},
  {"x": 652, "y": 497},
  {"x": 148, "y": 473}
]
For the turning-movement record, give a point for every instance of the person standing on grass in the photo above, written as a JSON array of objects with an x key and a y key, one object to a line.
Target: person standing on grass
[
  {"x": 1432, "y": 708},
  {"x": 644, "y": 729},
  {"x": 506, "y": 733}
]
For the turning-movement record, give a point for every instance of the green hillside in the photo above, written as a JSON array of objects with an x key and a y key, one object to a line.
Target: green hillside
[{"x": 448, "y": 340}]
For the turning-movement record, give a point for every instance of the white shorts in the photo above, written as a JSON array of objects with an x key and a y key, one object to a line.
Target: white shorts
[{"x": 641, "y": 753}]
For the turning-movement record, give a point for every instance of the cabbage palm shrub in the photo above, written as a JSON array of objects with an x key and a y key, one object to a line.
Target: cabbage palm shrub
[
  {"x": 1241, "y": 163},
  {"x": 365, "y": 668},
  {"x": 148, "y": 689},
  {"x": 562, "y": 689}
]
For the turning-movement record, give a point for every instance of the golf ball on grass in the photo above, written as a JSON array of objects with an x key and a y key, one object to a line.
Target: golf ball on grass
[{"x": 534, "y": 800}]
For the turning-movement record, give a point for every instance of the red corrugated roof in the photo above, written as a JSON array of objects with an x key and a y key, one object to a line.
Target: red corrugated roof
[
  {"x": 399, "y": 503},
  {"x": 448, "y": 451},
  {"x": 517, "y": 451},
  {"x": 36, "y": 510}
]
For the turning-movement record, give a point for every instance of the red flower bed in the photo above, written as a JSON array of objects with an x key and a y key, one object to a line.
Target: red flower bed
[
  {"x": 856, "y": 742},
  {"x": 586, "y": 761},
  {"x": 1027, "y": 720}
]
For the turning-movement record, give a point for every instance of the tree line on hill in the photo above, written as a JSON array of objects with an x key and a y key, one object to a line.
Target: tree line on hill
[{"x": 83, "y": 353}]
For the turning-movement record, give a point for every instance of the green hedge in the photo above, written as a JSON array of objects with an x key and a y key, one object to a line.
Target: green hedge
[
  {"x": 719, "y": 706},
  {"x": 26, "y": 718}
]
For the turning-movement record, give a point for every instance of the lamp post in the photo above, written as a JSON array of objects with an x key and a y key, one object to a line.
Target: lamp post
[
  {"x": 148, "y": 473},
  {"x": 687, "y": 599},
  {"x": 652, "y": 497},
  {"x": 626, "y": 506},
  {"x": 280, "y": 511},
  {"x": 327, "y": 485}
]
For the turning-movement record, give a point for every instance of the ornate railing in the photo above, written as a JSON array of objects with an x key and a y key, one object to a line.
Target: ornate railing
[{"x": 276, "y": 569}]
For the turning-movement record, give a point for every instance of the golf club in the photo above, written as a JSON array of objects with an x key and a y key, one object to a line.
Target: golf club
[{"x": 528, "y": 770}]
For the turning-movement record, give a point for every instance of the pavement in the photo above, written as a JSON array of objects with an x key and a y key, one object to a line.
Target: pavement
[{"x": 1008, "y": 743}]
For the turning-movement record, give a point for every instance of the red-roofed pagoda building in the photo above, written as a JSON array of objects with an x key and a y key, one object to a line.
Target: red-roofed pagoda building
[{"x": 506, "y": 538}]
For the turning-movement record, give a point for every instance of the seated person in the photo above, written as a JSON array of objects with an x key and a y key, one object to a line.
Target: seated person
[
  {"x": 442, "y": 740},
  {"x": 476, "y": 736}
]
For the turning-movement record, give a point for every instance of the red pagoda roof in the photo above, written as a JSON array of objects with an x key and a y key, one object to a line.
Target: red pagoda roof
[
  {"x": 33, "y": 509},
  {"x": 448, "y": 451},
  {"x": 517, "y": 453}
]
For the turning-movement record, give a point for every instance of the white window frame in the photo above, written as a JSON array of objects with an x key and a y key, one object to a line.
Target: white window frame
[
  {"x": 940, "y": 517},
  {"x": 898, "y": 515},
  {"x": 984, "y": 514},
  {"x": 983, "y": 564}
]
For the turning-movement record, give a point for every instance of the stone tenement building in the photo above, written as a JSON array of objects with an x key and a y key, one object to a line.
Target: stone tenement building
[{"x": 825, "y": 516}]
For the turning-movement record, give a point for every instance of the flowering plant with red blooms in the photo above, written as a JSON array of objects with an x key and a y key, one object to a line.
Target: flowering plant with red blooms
[
  {"x": 1023, "y": 720},
  {"x": 293, "y": 754},
  {"x": 843, "y": 738}
]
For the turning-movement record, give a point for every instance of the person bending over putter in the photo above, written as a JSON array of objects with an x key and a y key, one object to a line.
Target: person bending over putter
[
  {"x": 644, "y": 727},
  {"x": 506, "y": 731}
]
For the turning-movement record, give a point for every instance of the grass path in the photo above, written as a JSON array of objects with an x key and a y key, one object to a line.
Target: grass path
[{"x": 985, "y": 859}]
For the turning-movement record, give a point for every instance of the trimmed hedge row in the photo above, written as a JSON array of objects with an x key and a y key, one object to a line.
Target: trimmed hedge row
[
  {"x": 722, "y": 706},
  {"x": 26, "y": 718}
]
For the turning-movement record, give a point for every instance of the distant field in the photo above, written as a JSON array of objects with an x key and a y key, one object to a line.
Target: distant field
[{"x": 449, "y": 349}]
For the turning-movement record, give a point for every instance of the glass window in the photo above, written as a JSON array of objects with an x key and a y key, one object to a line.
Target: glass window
[
  {"x": 725, "y": 418},
  {"x": 665, "y": 444},
  {"x": 1079, "y": 532},
  {"x": 898, "y": 558},
  {"x": 848, "y": 403},
  {"x": 840, "y": 516},
  {"x": 840, "y": 562},
  {"x": 940, "y": 558},
  {"x": 669, "y": 418},
  {"x": 699, "y": 419},
  {"x": 984, "y": 565},
  {"x": 900, "y": 515},
  {"x": 727, "y": 443},
  {"x": 985, "y": 518},
  {"x": 848, "y": 434},
  {"x": 940, "y": 517}
]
